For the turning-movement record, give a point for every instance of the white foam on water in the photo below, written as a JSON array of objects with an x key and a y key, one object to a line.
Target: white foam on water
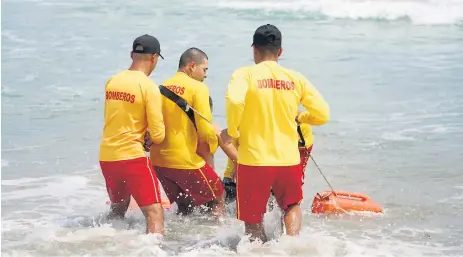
[
  {"x": 397, "y": 136},
  {"x": 10, "y": 35},
  {"x": 21, "y": 148},
  {"x": 456, "y": 198},
  {"x": 5, "y": 163},
  {"x": 416, "y": 132},
  {"x": 71, "y": 222},
  {"x": 64, "y": 187},
  {"x": 26, "y": 181},
  {"x": 419, "y": 12},
  {"x": 9, "y": 92},
  {"x": 313, "y": 242}
]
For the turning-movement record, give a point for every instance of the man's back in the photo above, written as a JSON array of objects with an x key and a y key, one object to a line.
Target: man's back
[
  {"x": 262, "y": 102},
  {"x": 178, "y": 150},
  {"x": 127, "y": 115},
  {"x": 268, "y": 130},
  {"x": 133, "y": 105}
]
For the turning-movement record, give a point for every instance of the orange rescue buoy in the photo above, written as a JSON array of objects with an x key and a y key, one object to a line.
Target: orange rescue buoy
[
  {"x": 133, "y": 204},
  {"x": 342, "y": 202}
]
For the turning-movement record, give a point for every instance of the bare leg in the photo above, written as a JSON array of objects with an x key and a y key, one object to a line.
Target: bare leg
[
  {"x": 218, "y": 206},
  {"x": 293, "y": 220},
  {"x": 256, "y": 231},
  {"x": 154, "y": 215},
  {"x": 118, "y": 210}
]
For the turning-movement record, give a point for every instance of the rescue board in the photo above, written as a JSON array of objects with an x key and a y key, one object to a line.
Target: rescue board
[{"x": 341, "y": 202}]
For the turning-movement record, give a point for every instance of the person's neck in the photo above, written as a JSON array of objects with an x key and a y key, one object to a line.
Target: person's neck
[
  {"x": 140, "y": 66},
  {"x": 181, "y": 70},
  {"x": 268, "y": 59}
]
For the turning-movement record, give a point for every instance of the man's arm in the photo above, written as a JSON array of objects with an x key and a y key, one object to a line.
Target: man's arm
[
  {"x": 318, "y": 111},
  {"x": 230, "y": 150},
  {"x": 206, "y": 132},
  {"x": 154, "y": 113},
  {"x": 235, "y": 100},
  {"x": 203, "y": 151},
  {"x": 226, "y": 143}
]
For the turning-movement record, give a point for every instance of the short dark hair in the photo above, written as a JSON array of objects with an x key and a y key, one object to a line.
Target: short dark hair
[
  {"x": 268, "y": 50},
  {"x": 192, "y": 54}
]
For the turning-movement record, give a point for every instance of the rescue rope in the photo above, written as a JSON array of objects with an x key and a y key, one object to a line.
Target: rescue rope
[
  {"x": 327, "y": 182},
  {"x": 321, "y": 173},
  {"x": 189, "y": 106}
]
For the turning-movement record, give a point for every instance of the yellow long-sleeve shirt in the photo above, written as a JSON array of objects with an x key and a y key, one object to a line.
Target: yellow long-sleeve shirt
[
  {"x": 261, "y": 103},
  {"x": 132, "y": 104},
  {"x": 178, "y": 150}
]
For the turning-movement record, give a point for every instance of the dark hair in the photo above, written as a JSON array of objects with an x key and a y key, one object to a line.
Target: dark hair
[
  {"x": 192, "y": 54},
  {"x": 271, "y": 50},
  {"x": 210, "y": 103}
]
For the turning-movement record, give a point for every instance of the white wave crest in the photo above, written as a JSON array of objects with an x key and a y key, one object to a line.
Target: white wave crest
[{"x": 421, "y": 12}]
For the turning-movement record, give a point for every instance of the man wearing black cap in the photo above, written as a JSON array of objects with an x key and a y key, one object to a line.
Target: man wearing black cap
[
  {"x": 261, "y": 103},
  {"x": 133, "y": 104}
]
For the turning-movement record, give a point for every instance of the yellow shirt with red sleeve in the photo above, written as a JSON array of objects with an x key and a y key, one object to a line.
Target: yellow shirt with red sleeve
[
  {"x": 132, "y": 105},
  {"x": 261, "y": 103},
  {"x": 178, "y": 150}
]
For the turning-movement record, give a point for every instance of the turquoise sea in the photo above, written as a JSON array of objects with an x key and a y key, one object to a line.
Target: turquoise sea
[{"x": 391, "y": 70}]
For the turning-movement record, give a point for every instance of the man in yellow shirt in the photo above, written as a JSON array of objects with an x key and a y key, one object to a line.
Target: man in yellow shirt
[
  {"x": 186, "y": 178},
  {"x": 261, "y": 103},
  {"x": 133, "y": 104}
]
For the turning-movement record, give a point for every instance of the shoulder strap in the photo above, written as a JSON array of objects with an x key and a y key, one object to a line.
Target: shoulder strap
[
  {"x": 302, "y": 141},
  {"x": 182, "y": 103}
]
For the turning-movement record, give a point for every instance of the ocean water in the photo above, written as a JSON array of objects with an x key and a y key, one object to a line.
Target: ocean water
[{"x": 391, "y": 70}]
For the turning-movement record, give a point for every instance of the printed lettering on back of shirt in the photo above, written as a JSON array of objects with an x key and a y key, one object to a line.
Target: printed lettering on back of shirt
[
  {"x": 275, "y": 84},
  {"x": 176, "y": 89},
  {"x": 120, "y": 96}
]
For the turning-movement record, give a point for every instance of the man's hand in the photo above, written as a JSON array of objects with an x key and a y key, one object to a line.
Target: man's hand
[
  {"x": 148, "y": 141},
  {"x": 226, "y": 143},
  {"x": 217, "y": 128},
  {"x": 226, "y": 139}
]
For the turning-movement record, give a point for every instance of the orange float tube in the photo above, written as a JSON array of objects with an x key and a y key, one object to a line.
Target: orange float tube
[
  {"x": 133, "y": 204},
  {"x": 342, "y": 202}
]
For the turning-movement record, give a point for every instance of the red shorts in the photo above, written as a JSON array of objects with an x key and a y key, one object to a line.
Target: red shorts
[
  {"x": 253, "y": 184},
  {"x": 131, "y": 177},
  {"x": 199, "y": 185}
]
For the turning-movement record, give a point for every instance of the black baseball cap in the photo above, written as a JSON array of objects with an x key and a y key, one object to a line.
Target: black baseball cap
[
  {"x": 147, "y": 44},
  {"x": 267, "y": 35}
]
